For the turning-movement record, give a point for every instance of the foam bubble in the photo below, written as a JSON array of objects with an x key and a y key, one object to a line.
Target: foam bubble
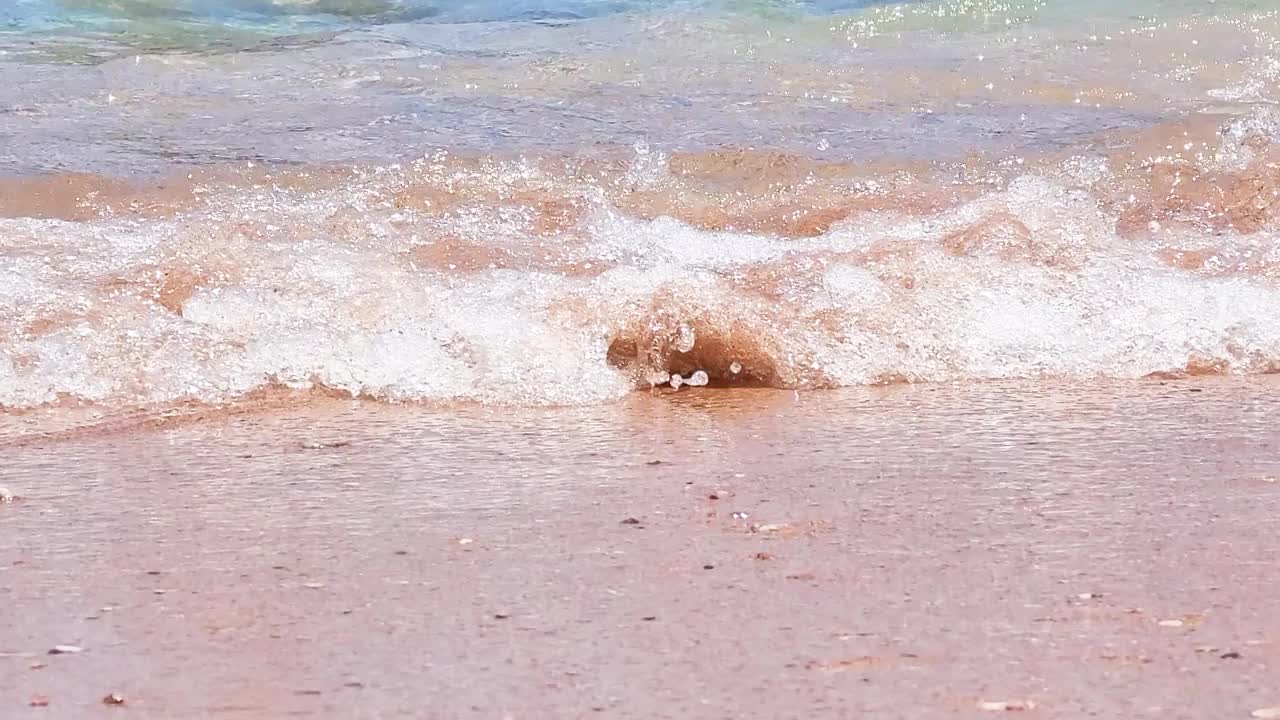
[{"x": 351, "y": 286}]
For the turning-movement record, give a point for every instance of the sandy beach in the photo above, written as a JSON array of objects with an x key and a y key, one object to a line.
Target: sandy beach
[
  {"x": 1055, "y": 550},
  {"x": 639, "y": 359}
]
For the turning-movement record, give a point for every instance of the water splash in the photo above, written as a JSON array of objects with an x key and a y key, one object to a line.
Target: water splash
[{"x": 536, "y": 283}]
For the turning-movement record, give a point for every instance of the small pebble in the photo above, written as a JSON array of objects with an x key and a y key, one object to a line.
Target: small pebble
[
  {"x": 38, "y": 666},
  {"x": 324, "y": 445},
  {"x": 630, "y": 521},
  {"x": 1267, "y": 713},
  {"x": 1006, "y": 705},
  {"x": 1233, "y": 655},
  {"x": 65, "y": 650},
  {"x": 39, "y": 701},
  {"x": 113, "y": 699},
  {"x": 1089, "y": 596}
]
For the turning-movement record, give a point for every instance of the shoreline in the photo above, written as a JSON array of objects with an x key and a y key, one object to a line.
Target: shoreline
[{"x": 50, "y": 425}]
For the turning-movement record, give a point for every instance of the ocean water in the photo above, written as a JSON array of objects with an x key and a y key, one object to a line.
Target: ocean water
[{"x": 563, "y": 202}]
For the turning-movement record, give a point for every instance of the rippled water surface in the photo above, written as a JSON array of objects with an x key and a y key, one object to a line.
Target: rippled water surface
[{"x": 562, "y": 202}]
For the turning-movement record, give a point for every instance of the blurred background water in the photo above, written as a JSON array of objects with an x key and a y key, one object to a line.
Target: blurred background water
[{"x": 131, "y": 86}]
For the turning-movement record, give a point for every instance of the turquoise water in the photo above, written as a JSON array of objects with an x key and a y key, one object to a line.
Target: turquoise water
[
  {"x": 46, "y": 15},
  {"x": 90, "y": 31}
]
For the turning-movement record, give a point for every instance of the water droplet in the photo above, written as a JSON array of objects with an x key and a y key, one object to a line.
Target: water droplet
[
  {"x": 657, "y": 377},
  {"x": 685, "y": 338}
]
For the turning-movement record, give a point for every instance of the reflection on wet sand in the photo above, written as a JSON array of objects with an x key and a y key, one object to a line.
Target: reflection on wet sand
[{"x": 913, "y": 550}]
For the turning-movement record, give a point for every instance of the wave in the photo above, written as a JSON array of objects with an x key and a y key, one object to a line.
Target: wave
[{"x": 567, "y": 281}]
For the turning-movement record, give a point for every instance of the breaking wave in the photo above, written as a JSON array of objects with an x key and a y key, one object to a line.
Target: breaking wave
[{"x": 555, "y": 281}]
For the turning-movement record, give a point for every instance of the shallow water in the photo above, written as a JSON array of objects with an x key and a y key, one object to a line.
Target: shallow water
[{"x": 560, "y": 203}]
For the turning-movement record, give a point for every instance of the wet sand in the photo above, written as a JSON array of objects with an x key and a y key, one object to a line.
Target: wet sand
[{"x": 1102, "y": 550}]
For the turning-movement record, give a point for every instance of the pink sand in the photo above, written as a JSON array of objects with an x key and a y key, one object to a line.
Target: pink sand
[{"x": 906, "y": 552}]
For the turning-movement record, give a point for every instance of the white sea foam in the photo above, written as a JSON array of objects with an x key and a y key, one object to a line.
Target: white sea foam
[{"x": 330, "y": 287}]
